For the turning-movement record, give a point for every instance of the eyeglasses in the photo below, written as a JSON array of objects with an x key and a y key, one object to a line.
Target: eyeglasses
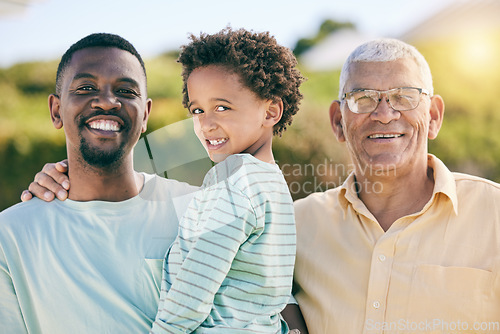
[{"x": 363, "y": 101}]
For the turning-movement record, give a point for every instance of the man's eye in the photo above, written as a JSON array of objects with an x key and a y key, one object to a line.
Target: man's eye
[
  {"x": 126, "y": 91},
  {"x": 363, "y": 97},
  {"x": 85, "y": 89}
]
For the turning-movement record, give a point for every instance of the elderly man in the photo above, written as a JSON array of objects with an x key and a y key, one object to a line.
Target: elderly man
[
  {"x": 404, "y": 245},
  {"x": 93, "y": 263}
]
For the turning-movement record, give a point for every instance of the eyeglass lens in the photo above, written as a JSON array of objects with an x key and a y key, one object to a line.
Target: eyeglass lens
[{"x": 400, "y": 99}]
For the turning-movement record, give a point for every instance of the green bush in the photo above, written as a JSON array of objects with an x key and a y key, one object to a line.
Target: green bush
[{"x": 310, "y": 156}]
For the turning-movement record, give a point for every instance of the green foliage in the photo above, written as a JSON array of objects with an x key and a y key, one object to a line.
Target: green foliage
[
  {"x": 31, "y": 78},
  {"x": 164, "y": 77},
  {"x": 309, "y": 154},
  {"x": 466, "y": 74},
  {"x": 325, "y": 29}
]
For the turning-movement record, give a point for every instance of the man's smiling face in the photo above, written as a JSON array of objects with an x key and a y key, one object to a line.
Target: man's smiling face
[
  {"x": 103, "y": 105},
  {"x": 386, "y": 138}
]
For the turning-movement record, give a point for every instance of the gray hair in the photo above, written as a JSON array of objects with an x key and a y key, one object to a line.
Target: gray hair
[{"x": 384, "y": 50}]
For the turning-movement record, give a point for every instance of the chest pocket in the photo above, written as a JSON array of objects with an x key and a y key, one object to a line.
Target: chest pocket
[{"x": 463, "y": 293}]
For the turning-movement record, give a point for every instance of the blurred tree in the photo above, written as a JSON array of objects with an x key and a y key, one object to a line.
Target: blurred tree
[
  {"x": 466, "y": 74},
  {"x": 325, "y": 29}
]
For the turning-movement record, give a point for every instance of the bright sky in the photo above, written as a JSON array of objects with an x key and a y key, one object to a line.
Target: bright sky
[{"x": 48, "y": 27}]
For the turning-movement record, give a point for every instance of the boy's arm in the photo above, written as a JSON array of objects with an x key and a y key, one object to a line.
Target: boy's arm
[
  {"x": 49, "y": 183},
  {"x": 189, "y": 300},
  {"x": 294, "y": 319}
]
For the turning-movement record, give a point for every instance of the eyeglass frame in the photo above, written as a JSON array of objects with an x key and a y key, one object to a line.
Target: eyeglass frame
[{"x": 380, "y": 92}]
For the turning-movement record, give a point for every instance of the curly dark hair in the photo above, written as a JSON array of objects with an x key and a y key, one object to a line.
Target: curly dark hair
[{"x": 264, "y": 66}]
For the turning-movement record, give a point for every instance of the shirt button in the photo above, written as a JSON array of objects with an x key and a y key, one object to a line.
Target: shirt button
[
  {"x": 376, "y": 304},
  {"x": 381, "y": 257}
]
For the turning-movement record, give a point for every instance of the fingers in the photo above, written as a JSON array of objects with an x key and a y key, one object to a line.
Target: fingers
[
  {"x": 41, "y": 192},
  {"x": 50, "y": 182},
  {"x": 61, "y": 166},
  {"x": 60, "y": 175},
  {"x": 26, "y": 196}
]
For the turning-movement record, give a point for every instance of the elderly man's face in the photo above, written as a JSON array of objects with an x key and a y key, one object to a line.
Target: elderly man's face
[{"x": 386, "y": 139}]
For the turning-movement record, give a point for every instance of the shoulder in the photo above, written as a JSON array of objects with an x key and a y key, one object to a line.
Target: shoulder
[
  {"x": 241, "y": 170},
  {"x": 326, "y": 198},
  {"x": 475, "y": 181},
  {"x": 23, "y": 215},
  {"x": 25, "y": 208},
  {"x": 476, "y": 189},
  {"x": 466, "y": 182},
  {"x": 160, "y": 187}
]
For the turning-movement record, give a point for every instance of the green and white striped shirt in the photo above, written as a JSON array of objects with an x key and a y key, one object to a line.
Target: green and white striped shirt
[{"x": 230, "y": 269}]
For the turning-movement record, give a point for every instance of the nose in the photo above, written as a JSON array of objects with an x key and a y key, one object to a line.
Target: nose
[
  {"x": 384, "y": 112},
  {"x": 106, "y": 100},
  {"x": 207, "y": 122}
]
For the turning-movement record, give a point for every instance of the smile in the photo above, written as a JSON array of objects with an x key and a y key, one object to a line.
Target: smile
[
  {"x": 216, "y": 142},
  {"x": 379, "y": 135},
  {"x": 105, "y": 125}
]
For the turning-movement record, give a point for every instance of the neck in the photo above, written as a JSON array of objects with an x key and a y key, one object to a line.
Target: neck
[
  {"x": 264, "y": 150},
  {"x": 392, "y": 196},
  {"x": 111, "y": 184}
]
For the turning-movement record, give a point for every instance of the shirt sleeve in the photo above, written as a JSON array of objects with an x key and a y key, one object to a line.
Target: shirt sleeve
[
  {"x": 11, "y": 318},
  {"x": 230, "y": 220}
]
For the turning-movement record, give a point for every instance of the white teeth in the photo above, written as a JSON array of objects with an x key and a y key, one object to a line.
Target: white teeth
[
  {"x": 217, "y": 141},
  {"x": 104, "y": 125},
  {"x": 384, "y": 136}
]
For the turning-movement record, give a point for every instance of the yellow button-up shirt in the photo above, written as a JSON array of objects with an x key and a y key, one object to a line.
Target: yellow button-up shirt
[{"x": 435, "y": 271}]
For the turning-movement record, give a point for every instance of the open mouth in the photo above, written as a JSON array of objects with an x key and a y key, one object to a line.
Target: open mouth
[
  {"x": 217, "y": 142},
  {"x": 104, "y": 125}
]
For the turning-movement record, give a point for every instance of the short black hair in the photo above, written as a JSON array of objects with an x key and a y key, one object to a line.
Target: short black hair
[
  {"x": 265, "y": 67},
  {"x": 95, "y": 40}
]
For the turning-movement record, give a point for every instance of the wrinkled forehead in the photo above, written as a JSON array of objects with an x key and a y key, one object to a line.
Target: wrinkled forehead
[{"x": 383, "y": 75}]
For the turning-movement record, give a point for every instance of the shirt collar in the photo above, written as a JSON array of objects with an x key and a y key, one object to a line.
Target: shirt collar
[{"x": 444, "y": 183}]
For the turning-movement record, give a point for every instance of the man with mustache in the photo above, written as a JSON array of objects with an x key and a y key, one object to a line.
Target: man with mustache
[{"x": 93, "y": 263}]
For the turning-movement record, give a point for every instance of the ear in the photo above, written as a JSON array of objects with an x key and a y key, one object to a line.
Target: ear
[
  {"x": 55, "y": 111},
  {"x": 274, "y": 112},
  {"x": 149, "y": 104},
  {"x": 436, "y": 112},
  {"x": 336, "y": 121}
]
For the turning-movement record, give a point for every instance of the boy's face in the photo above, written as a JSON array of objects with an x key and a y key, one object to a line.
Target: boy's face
[{"x": 228, "y": 117}]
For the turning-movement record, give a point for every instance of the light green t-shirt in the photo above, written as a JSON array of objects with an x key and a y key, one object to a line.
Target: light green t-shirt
[{"x": 87, "y": 267}]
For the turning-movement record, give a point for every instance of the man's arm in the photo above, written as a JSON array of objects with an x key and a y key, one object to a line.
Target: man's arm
[
  {"x": 11, "y": 318},
  {"x": 52, "y": 181},
  {"x": 294, "y": 319}
]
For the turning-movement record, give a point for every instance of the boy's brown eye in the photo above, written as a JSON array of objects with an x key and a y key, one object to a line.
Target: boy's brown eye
[
  {"x": 221, "y": 108},
  {"x": 196, "y": 111}
]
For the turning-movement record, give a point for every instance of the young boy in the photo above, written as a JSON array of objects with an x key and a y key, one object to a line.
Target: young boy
[{"x": 230, "y": 269}]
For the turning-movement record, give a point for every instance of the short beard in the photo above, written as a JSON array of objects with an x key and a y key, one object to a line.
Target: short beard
[{"x": 101, "y": 159}]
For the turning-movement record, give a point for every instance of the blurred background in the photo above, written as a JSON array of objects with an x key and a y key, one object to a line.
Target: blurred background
[{"x": 459, "y": 38}]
